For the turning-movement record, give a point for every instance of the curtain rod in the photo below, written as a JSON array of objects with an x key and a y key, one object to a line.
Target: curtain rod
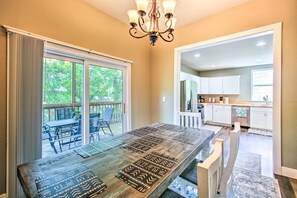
[{"x": 18, "y": 31}]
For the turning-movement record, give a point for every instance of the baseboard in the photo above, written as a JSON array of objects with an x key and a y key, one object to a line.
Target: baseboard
[
  {"x": 289, "y": 172},
  {"x": 3, "y": 196}
]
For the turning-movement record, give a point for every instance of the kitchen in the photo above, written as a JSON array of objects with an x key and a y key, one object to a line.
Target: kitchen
[{"x": 231, "y": 82}]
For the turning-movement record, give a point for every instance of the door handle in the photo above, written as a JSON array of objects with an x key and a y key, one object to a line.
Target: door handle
[{"x": 124, "y": 110}]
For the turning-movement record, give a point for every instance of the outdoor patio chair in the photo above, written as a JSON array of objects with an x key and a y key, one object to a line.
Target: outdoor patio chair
[
  {"x": 94, "y": 126},
  {"x": 94, "y": 129},
  {"x": 64, "y": 113},
  {"x": 106, "y": 120},
  {"x": 49, "y": 135}
]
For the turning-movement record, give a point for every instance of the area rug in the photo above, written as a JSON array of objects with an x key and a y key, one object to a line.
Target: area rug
[
  {"x": 216, "y": 129},
  {"x": 251, "y": 184},
  {"x": 260, "y": 132},
  {"x": 248, "y": 161},
  {"x": 247, "y": 180}
]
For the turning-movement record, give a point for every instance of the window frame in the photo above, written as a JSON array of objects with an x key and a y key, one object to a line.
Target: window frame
[{"x": 252, "y": 84}]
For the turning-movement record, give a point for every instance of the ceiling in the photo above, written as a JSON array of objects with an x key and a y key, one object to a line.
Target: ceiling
[
  {"x": 241, "y": 52},
  {"x": 187, "y": 11}
]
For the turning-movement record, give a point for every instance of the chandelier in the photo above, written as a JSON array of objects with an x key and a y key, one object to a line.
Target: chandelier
[{"x": 151, "y": 27}]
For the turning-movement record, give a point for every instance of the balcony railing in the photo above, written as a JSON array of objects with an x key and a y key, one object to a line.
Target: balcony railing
[{"x": 49, "y": 110}]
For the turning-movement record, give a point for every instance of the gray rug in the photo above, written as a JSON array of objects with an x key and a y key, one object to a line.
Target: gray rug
[
  {"x": 247, "y": 180},
  {"x": 253, "y": 185},
  {"x": 248, "y": 161}
]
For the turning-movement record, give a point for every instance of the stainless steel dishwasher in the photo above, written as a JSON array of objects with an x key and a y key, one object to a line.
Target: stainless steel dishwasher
[{"x": 241, "y": 114}]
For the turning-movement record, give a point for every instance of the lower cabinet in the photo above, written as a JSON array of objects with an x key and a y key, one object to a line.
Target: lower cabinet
[
  {"x": 222, "y": 114},
  {"x": 261, "y": 118},
  {"x": 208, "y": 112}
]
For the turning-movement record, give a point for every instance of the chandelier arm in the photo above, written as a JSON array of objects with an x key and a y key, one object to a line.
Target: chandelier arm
[
  {"x": 135, "y": 32},
  {"x": 168, "y": 29},
  {"x": 170, "y": 37},
  {"x": 140, "y": 19}
]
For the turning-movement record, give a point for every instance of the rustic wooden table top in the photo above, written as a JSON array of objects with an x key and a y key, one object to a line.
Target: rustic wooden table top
[{"x": 180, "y": 143}]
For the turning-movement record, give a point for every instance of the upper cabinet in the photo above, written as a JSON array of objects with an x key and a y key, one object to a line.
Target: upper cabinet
[
  {"x": 231, "y": 84},
  {"x": 220, "y": 85},
  {"x": 215, "y": 85},
  {"x": 203, "y": 86}
]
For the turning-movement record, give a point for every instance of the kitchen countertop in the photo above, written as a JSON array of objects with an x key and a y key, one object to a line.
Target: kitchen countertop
[{"x": 242, "y": 104}]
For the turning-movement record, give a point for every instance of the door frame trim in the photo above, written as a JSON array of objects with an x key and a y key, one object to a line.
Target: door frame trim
[{"x": 277, "y": 67}]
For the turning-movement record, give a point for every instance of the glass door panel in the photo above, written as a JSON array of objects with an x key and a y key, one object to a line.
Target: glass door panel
[
  {"x": 105, "y": 101},
  {"x": 62, "y": 96}
]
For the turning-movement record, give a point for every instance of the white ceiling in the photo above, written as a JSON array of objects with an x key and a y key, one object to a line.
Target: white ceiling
[
  {"x": 242, "y": 52},
  {"x": 187, "y": 11}
]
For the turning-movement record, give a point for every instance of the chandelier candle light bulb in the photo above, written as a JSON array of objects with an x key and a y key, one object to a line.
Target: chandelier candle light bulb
[
  {"x": 133, "y": 16},
  {"x": 151, "y": 27},
  {"x": 169, "y": 6},
  {"x": 142, "y": 6}
]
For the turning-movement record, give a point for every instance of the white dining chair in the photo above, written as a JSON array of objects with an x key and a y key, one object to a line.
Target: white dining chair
[
  {"x": 209, "y": 172},
  {"x": 226, "y": 181}
]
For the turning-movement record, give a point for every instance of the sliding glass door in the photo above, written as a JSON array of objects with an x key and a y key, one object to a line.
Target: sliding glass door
[
  {"x": 83, "y": 102},
  {"x": 106, "y": 101}
]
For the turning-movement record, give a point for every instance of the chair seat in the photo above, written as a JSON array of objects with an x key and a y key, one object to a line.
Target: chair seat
[
  {"x": 190, "y": 173},
  {"x": 170, "y": 194}
]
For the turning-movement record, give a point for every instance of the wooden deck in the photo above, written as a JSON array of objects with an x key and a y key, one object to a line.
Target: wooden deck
[{"x": 183, "y": 145}]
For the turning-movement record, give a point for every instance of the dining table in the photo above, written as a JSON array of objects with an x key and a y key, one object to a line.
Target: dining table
[{"x": 139, "y": 163}]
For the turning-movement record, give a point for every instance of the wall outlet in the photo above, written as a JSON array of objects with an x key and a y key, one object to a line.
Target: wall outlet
[{"x": 164, "y": 99}]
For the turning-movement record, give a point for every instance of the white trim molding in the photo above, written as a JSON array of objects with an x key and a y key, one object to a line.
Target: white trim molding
[
  {"x": 276, "y": 29},
  {"x": 289, "y": 172}
]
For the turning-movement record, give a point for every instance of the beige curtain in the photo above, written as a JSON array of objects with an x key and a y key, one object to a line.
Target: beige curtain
[{"x": 25, "y": 68}]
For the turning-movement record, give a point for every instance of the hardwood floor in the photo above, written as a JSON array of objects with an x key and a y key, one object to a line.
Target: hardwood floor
[{"x": 261, "y": 145}]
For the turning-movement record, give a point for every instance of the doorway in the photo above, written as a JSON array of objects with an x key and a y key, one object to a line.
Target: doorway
[{"x": 275, "y": 29}]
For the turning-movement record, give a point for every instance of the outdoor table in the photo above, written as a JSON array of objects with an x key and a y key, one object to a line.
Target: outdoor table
[
  {"x": 58, "y": 125},
  {"x": 180, "y": 143}
]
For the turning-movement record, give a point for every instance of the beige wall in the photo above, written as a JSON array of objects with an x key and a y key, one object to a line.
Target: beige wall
[
  {"x": 245, "y": 81},
  {"x": 75, "y": 22},
  {"x": 255, "y": 13}
]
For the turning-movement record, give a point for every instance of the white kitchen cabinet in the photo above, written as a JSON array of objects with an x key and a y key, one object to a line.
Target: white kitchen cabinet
[
  {"x": 208, "y": 109},
  {"x": 261, "y": 118},
  {"x": 215, "y": 85},
  {"x": 204, "y": 85},
  {"x": 231, "y": 84},
  {"x": 269, "y": 122},
  {"x": 222, "y": 114}
]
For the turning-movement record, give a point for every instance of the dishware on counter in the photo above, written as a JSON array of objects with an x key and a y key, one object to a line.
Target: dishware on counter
[
  {"x": 213, "y": 99},
  {"x": 226, "y": 100},
  {"x": 201, "y": 99},
  {"x": 221, "y": 100},
  {"x": 209, "y": 100}
]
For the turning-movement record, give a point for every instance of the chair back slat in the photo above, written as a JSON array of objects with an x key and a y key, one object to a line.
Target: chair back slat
[
  {"x": 64, "y": 113},
  {"x": 234, "y": 146},
  {"x": 209, "y": 172}
]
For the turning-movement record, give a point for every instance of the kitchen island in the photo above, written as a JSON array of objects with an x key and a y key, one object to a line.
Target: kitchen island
[{"x": 175, "y": 146}]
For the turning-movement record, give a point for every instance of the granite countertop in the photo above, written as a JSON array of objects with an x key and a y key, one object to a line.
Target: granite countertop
[{"x": 242, "y": 104}]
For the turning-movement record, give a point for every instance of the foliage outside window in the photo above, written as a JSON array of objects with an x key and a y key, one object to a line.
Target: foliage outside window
[
  {"x": 262, "y": 84},
  {"x": 63, "y": 83}
]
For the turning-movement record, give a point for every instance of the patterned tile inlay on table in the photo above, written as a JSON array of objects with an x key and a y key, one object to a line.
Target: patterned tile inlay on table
[
  {"x": 75, "y": 181},
  {"x": 143, "y": 131},
  {"x": 145, "y": 172},
  {"x": 144, "y": 144}
]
